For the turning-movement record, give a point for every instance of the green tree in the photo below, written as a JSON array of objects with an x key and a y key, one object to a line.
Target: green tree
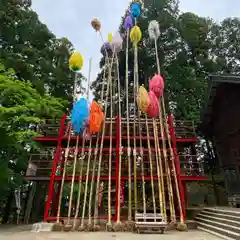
[
  {"x": 21, "y": 109},
  {"x": 34, "y": 52},
  {"x": 190, "y": 48},
  {"x": 165, "y": 13}
]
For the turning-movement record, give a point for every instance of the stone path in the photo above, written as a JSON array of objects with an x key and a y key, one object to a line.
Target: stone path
[{"x": 26, "y": 235}]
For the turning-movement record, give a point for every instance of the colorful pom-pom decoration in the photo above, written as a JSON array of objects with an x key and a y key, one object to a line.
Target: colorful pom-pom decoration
[
  {"x": 153, "y": 107},
  {"x": 117, "y": 42},
  {"x": 154, "y": 30},
  {"x": 135, "y": 10},
  {"x": 95, "y": 107},
  {"x": 143, "y": 99},
  {"x": 135, "y": 35},
  {"x": 110, "y": 37},
  {"x": 80, "y": 114},
  {"x": 128, "y": 23},
  {"x": 106, "y": 49},
  {"x": 156, "y": 85},
  {"x": 76, "y": 62},
  {"x": 96, "y": 118},
  {"x": 96, "y": 24},
  {"x": 140, "y": 2}
]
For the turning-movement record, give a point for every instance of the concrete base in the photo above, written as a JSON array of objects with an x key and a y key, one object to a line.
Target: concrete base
[
  {"x": 48, "y": 227},
  {"x": 42, "y": 227}
]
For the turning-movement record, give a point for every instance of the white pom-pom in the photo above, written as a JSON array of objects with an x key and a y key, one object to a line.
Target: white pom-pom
[
  {"x": 153, "y": 30},
  {"x": 117, "y": 42}
]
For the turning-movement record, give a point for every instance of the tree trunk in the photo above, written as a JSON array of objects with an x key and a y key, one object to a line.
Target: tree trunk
[{"x": 7, "y": 209}]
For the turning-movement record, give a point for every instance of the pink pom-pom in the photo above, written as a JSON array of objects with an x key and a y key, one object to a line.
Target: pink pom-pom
[
  {"x": 153, "y": 108},
  {"x": 157, "y": 85}
]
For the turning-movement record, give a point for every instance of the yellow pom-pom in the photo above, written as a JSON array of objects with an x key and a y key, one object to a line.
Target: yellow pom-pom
[
  {"x": 135, "y": 34},
  {"x": 76, "y": 62},
  {"x": 96, "y": 24},
  {"x": 140, "y": 2},
  {"x": 110, "y": 37},
  {"x": 142, "y": 99}
]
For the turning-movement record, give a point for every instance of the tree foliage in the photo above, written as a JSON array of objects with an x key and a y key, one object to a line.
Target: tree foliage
[
  {"x": 21, "y": 109},
  {"x": 35, "y": 83},
  {"x": 190, "y": 48},
  {"x": 34, "y": 52}
]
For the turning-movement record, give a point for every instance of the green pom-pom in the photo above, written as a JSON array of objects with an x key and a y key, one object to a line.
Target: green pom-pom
[{"x": 75, "y": 68}]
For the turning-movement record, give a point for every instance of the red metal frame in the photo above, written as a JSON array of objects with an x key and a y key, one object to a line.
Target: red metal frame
[
  {"x": 177, "y": 165},
  {"x": 183, "y": 140},
  {"x": 113, "y": 178},
  {"x": 54, "y": 167},
  {"x": 53, "y": 197}
]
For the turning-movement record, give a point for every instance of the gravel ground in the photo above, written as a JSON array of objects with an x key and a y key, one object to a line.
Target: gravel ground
[{"x": 26, "y": 235}]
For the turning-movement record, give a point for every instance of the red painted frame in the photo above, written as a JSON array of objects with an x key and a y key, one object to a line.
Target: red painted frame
[
  {"x": 113, "y": 178},
  {"x": 54, "y": 167},
  {"x": 52, "y": 197},
  {"x": 177, "y": 165}
]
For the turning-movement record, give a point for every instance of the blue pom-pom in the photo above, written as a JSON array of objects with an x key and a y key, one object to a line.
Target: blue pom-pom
[
  {"x": 135, "y": 10},
  {"x": 80, "y": 114}
]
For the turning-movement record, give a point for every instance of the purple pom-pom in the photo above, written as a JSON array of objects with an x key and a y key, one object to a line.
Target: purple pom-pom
[{"x": 128, "y": 22}]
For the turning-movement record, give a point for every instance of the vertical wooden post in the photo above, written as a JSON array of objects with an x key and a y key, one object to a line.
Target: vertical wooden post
[
  {"x": 177, "y": 165},
  {"x": 54, "y": 167}
]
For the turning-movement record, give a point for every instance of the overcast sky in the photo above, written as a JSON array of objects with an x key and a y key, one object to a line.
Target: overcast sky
[{"x": 71, "y": 19}]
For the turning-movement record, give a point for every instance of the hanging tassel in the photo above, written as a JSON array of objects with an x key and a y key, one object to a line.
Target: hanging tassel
[
  {"x": 96, "y": 24},
  {"x": 96, "y": 118},
  {"x": 110, "y": 37},
  {"x": 143, "y": 99},
  {"x": 80, "y": 114},
  {"x": 153, "y": 30},
  {"x": 76, "y": 62},
  {"x": 135, "y": 10},
  {"x": 153, "y": 108},
  {"x": 135, "y": 35},
  {"x": 106, "y": 49},
  {"x": 128, "y": 24},
  {"x": 117, "y": 42},
  {"x": 156, "y": 85}
]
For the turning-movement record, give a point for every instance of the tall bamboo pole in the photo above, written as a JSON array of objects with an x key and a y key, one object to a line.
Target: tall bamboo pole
[
  {"x": 109, "y": 223},
  {"x": 161, "y": 170},
  {"x": 101, "y": 145},
  {"x": 107, "y": 62},
  {"x": 81, "y": 163},
  {"x": 120, "y": 139},
  {"x": 128, "y": 135},
  {"x": 151, "y": 168},
  {"x": 160, "y": 177},
  {"x": 72, "y": 182},
  {"x": 182, "y": 226},
  {"x": 66, "y": 154},
  {"x": 134, "y": 135},
  {"x": 139, "y": 128}
]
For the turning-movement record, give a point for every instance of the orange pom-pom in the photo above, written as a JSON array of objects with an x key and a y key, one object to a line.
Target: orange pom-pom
[{"x": 96, "y": 118}]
